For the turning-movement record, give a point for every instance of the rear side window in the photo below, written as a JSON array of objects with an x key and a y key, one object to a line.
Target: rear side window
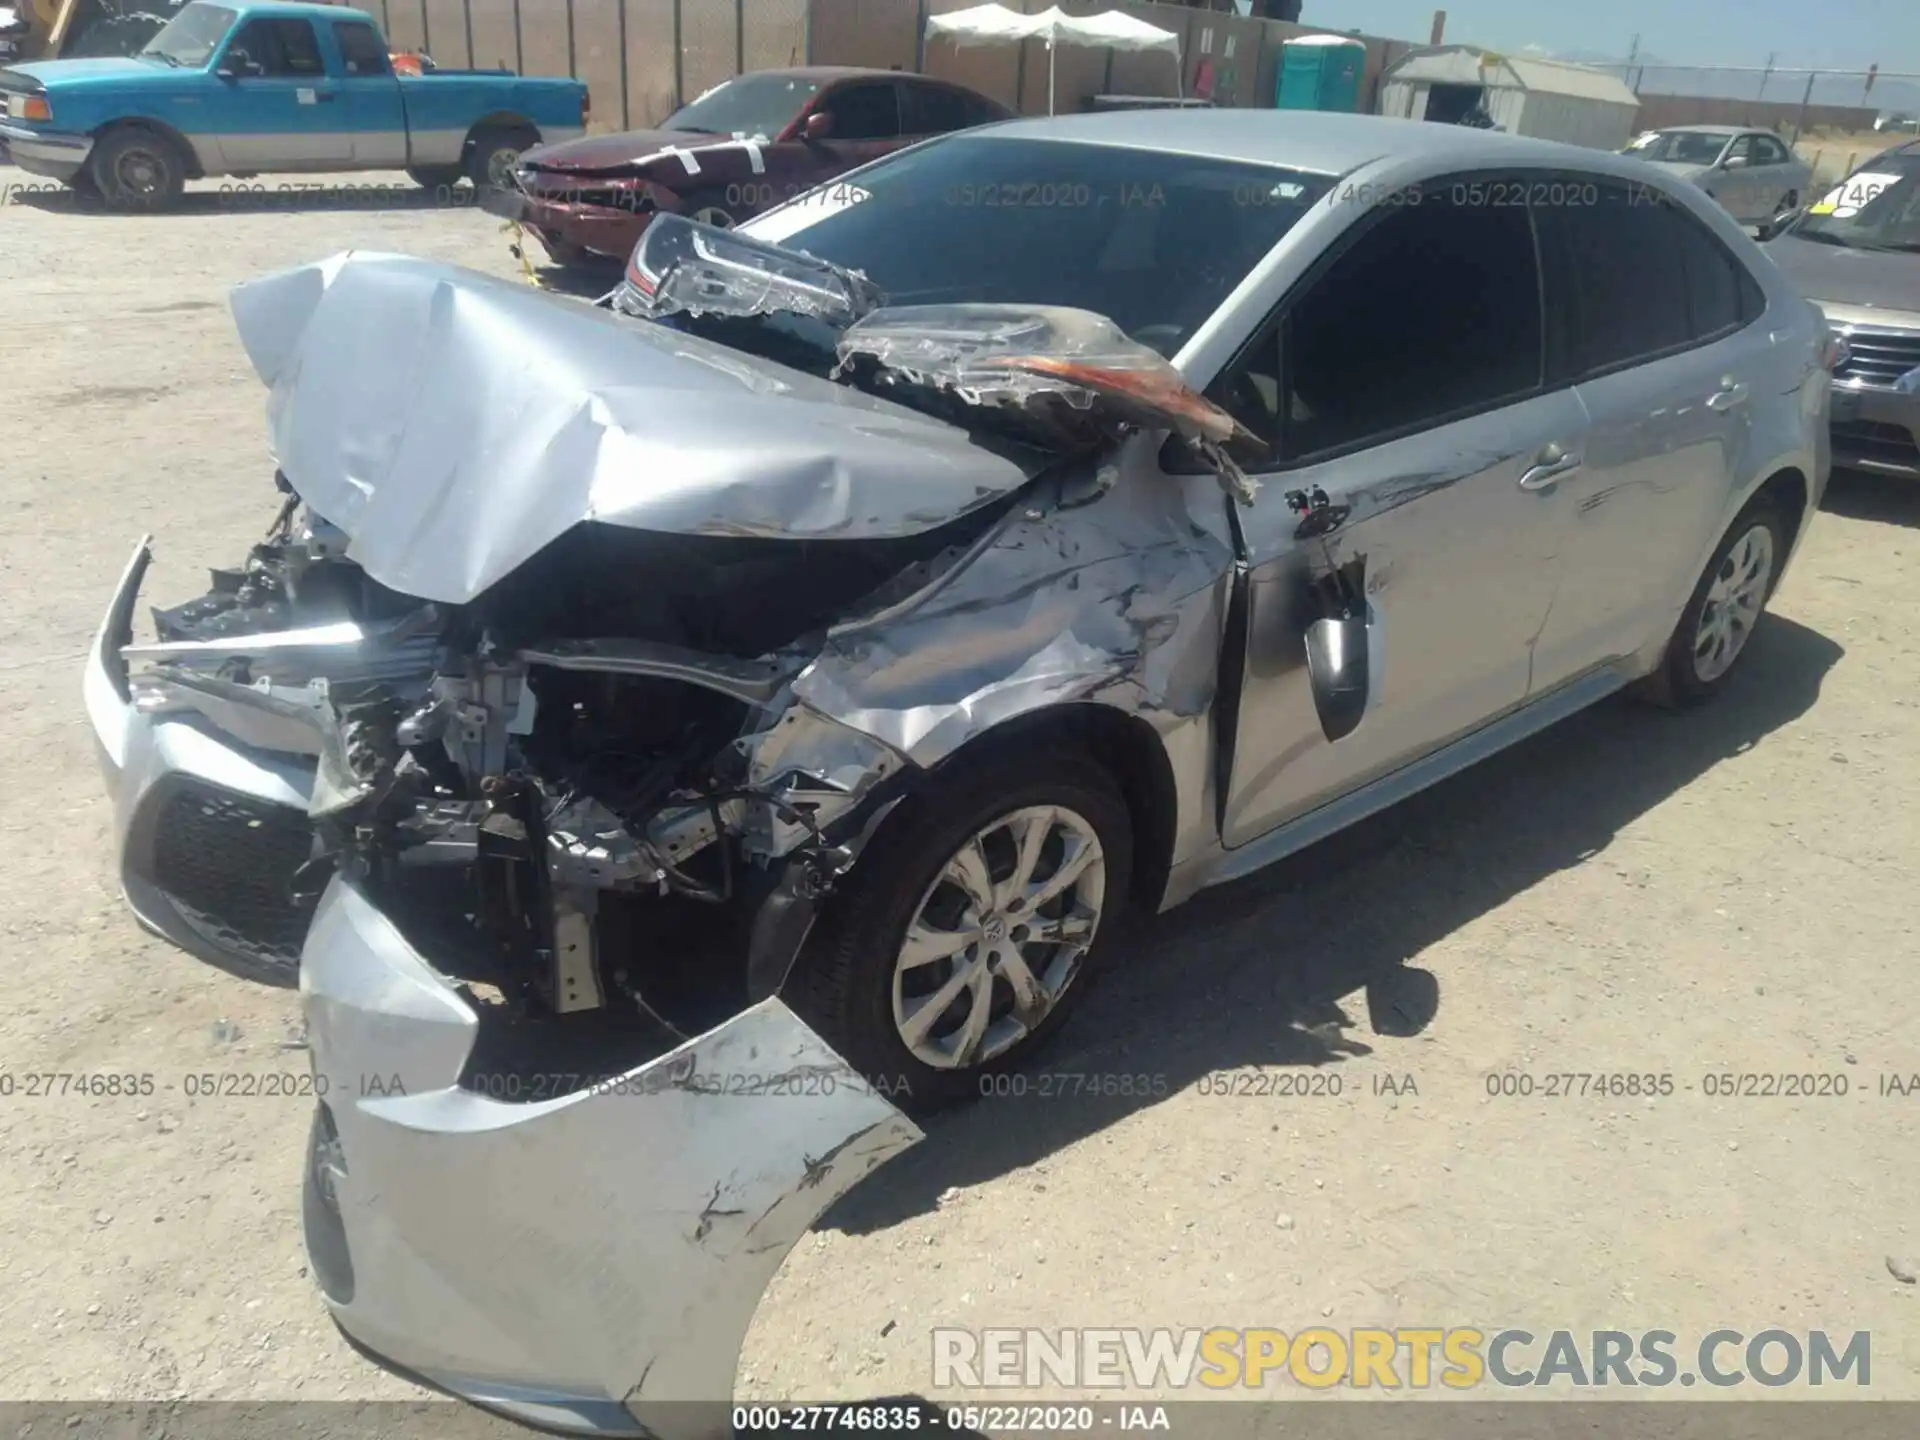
[
  {"x": 1615, "y": 276},
  {"x": 360, "y": 48},
  {"x": 1432, "y": 312},
  {"x": 1721, "y": 294}
]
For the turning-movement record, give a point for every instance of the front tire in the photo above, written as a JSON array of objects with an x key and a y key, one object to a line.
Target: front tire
[
  {"x": 1724, "y": 609},
  {"x": 436, "y": 177},
  {"x": 137, "y": 169},
  {"x": 973, "y": 924}
]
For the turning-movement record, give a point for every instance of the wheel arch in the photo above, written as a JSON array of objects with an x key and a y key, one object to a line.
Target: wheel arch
[
  {"x": 184, "y": 147},
  {"x": 494, "y": 122},
  {"x": 1128, "y": 749}
]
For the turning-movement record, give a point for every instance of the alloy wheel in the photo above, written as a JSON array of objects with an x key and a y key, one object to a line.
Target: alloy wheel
[
  {"x": 1733, "y": 604},
  {"x": 998, "y": 937}
]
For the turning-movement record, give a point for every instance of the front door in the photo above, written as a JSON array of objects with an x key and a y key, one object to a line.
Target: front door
[
  {"x": 1650, "y": 310},
  {"x": 1403, "y": 379},
  {"x": 278, "y": 109},
  {"x": 866, "y": 124}
]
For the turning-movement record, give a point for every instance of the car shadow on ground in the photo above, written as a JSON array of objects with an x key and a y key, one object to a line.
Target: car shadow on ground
[
  {"x": 284, "y": 196},
  {"x": 1263, "y": 972},
  {"x": 1886, "y": 499}
]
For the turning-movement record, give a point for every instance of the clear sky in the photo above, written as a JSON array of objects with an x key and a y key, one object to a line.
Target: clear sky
[{"x": 1847, "y": 34}]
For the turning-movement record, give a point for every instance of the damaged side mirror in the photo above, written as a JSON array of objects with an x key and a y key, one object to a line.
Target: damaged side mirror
[{"x": 1339, "y": 671}]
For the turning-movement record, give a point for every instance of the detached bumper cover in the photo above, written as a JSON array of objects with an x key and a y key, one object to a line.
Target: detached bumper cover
[
  {"x": 590, "y": 1262},
  {"x": 208, "y": 833}
]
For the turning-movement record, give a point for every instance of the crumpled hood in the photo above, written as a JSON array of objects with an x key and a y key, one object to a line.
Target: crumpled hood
[
  {"x": 452, "y": 425},
  {"x": 1880, "y": 279},
  {"x": 660, "y": 154}
]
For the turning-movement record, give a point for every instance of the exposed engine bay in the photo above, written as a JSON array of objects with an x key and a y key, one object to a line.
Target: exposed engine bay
[
  {"x": 542, "y": 616},
  {"x": 570, "y": 791}
]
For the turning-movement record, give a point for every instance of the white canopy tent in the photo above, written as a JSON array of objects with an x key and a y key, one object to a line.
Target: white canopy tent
[{"x": 996, "y": 24}]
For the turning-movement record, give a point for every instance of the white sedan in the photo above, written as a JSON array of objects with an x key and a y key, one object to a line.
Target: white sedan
[{"x": 1752, "y": 173}]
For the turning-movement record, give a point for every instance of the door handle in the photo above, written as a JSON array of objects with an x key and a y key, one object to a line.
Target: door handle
[
  {"x": 1552, "y": 464},
  {"x": 1730, "y": 394}
]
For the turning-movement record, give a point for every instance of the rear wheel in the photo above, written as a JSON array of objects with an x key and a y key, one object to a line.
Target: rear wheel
[
  {"x": 1725, "y": 607},
  {"x": 973, "y": 924},
  {"x": 493, "y": 156},
  {"x": 138, "y": 169}
]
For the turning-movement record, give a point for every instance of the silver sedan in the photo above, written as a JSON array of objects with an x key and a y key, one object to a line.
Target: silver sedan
[
  {"x": 672, "y": 739},
  {"x": 1752, "y": 173}
]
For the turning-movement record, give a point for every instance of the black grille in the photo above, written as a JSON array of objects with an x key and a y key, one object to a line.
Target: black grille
[
  {"x": 1880, "y": 357},
  {"x": 1876, "y": 440},
  {"x": 227, "y": 864}
]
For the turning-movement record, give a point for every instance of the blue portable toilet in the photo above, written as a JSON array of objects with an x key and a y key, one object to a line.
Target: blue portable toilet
[{"x": 1320, "y": 72}]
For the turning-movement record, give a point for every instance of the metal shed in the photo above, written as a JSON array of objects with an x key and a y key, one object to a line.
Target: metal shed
[{"x": 1548, "y": 99}]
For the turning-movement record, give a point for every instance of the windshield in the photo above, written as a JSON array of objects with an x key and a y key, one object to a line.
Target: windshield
[
  {"x": 1680, "y": 147},
  {"x": 762, "y": 105},
  {"x": 1875, "y": 208},
  {"x": 1155, "y": 242},
  {"x": 191, "y": 37}
]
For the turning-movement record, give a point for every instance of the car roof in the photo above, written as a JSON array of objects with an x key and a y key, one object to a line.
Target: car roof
[
  {"x": 826, "y": 74},
  {"x": 296, "y": 10},
  {"x": 1713, "y": 130},
  {"x": 1319, "y": 142}
]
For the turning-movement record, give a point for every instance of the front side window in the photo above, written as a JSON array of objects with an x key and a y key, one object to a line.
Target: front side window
[
  {"x": 1768, "y": 151},
  {"x": 1432, "y": 312},
  {"x": 275, "y": 47},
  {"x": 864, "y": 112},
  {"x": 935, "y": 110},
  {"x": 1155, "y": 242},
  {"x": 1680, "y": 147}
]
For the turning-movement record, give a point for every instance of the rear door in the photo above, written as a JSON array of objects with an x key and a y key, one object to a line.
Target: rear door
[
  {"x": 1648, "y": 314},
  {"x": 1775, "y": 175},
  {"x": 1404, "y": 378},
  {"x": 278, "y": 108},
  {"x": 370, "y": 96}
]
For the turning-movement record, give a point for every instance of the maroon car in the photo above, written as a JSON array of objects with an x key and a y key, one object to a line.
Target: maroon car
[{"x": 741, "y": 148}]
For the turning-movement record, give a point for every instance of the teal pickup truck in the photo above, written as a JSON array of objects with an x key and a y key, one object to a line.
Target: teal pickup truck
[{"x": 250, "y": 89}]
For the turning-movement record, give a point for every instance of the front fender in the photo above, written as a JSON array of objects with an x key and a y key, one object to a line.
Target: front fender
[{"x": 1116, "y": 601}]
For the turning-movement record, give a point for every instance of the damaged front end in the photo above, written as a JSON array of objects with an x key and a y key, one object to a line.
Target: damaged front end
[
  {"x": 583, "y": 662},
  {"x": 541, "y": 890}
]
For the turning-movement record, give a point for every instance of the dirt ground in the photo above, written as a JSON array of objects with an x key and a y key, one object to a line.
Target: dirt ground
[{"x": 1728, "y": 891}]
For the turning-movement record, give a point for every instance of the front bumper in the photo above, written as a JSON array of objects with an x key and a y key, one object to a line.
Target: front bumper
[
  {"x": 207, "y": 832},
  {"x": 587, "y": 1263},
  {"x": 1876, "y": 430},
  {"x": 602, "y": 230},
  {"x": 52, "y": 153}
]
